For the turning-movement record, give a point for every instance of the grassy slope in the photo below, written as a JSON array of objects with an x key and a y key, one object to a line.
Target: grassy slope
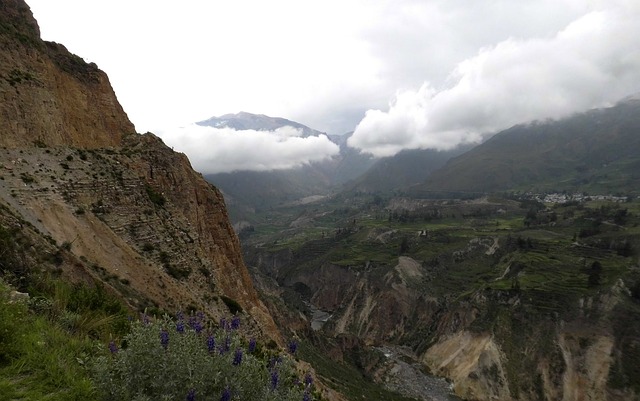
[
  {"x": 39, "y": 359},
  {"x": 552, "y": 258}
]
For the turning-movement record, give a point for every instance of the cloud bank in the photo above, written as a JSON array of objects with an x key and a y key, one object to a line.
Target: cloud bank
[
  {"x": 593, "y": 62},
  {"x": 217, "y": 150}
]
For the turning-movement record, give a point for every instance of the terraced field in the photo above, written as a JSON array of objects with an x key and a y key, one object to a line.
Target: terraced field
[{"x": 464, "y": 246}]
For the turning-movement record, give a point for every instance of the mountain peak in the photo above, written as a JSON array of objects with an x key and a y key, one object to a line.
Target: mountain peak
[{"x": 259, "y": 122}]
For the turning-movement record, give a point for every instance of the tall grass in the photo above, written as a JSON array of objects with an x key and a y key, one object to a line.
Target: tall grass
[{"x": 40, "y": 360}]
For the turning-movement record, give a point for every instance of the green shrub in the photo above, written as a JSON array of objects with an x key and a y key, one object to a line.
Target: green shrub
[
  {"x": 176, "y": 272},
  {"x": 232, "y": 304},
  {"x": 183, "y": 359},
  {"x": 27, "y": 178},
  {"x": 154, "y": 196}
]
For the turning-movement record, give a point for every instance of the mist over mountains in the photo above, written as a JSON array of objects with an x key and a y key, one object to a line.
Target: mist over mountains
[
  {"x": 249, "y": 142},
  {"x": 595, "y": 151},
  {"x": 247, "y": 189}
]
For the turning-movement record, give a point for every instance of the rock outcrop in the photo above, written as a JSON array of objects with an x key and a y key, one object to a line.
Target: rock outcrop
[{"x": 48, "y": 96}]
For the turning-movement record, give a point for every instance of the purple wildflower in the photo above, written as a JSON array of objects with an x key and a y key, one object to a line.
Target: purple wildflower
[
  {"x": 211, "y": 343},
  {"x": 226, "y": 395},
  {"x": 293, "y": 347},
  {"x": 223, "y": 323},
  {"x": 252, "y": 345},
  {"x": 308, "y": 380},
  {"x": 180, "y": 326},
  {"x": 195, "y": 322},
  {"x": 306, "y": 396},
  {"x": 145, "y": 319},
  {"x": 164, "y": 338},
  {"x": 235, "y": 322},
  {"x": 274, "y": 379},
  {"x": 237, "y": 358},
  {"x": 191, "y": 395},
  {"x": 113, "y": 347}
]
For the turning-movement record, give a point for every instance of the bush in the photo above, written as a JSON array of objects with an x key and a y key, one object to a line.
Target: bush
[
  {"x": 154, "y": 196},
  {"x": 183, "y": 359},
  {"x": 232, "y": 304}
]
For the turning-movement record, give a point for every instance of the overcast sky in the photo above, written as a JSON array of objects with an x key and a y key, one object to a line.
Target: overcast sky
[{"x": 402, "y": 74}]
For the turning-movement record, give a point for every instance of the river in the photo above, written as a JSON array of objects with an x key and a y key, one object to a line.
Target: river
[{"x": 400, "y": 372}]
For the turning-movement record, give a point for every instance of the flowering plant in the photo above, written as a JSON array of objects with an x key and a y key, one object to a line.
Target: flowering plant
[{"x": 186, "y": 359}]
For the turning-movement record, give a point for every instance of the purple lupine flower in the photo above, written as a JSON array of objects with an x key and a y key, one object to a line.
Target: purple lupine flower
[
  {"x": 252, "y": 345},
  {"x": 223, "y": 323},
  {"x": 195, "y": 323},
  {"x": 308, "y": 380},
  {"x": 191, "y": 395},
  {"x": 180, "y": 326},
  {"x": 113, "y": 347},
  {"x": 226, "y": 395},
  {"x": 235, "y": 322},
  {"x": 211, "y": 343},
  {"x": 306, "y": 396},
  {"x": 164, "y": 338},
  {"x": 293, "y": 347},
  {"x": 274, "y": 379},
  {"x": 237, "y": 358}
]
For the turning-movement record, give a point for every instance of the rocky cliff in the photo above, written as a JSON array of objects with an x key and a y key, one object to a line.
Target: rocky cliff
[
  {"x": 125, "y": 208},
  {"x": 50, "y": 96}
]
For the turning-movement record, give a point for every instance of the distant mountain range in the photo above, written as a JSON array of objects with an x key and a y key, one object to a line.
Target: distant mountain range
[
  {"x": 596, "y": 152},
  {"x": 407, "y": 168},
  {"x": 248, "y": 191}
]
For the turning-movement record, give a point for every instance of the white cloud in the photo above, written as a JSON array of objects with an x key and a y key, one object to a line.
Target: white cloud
[
  {"x": 592, "y": 62},
  {"x": 216, "y": 150},
  {"x": 322, "y": 64}
]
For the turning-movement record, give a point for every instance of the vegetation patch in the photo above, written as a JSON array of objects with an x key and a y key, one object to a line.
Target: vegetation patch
[
  {"x": 232, "y": 304},
  {"x": 154, "y": 196},
  {"x": 190, "y": 358}
]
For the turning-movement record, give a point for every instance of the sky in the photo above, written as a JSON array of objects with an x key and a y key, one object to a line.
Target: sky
[{"x": 402, "y": 74}]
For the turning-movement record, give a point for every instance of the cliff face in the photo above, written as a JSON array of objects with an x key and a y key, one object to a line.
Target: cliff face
[
  {"x": 49, "y": 96},
  {"x": 130, "y": 212}
]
